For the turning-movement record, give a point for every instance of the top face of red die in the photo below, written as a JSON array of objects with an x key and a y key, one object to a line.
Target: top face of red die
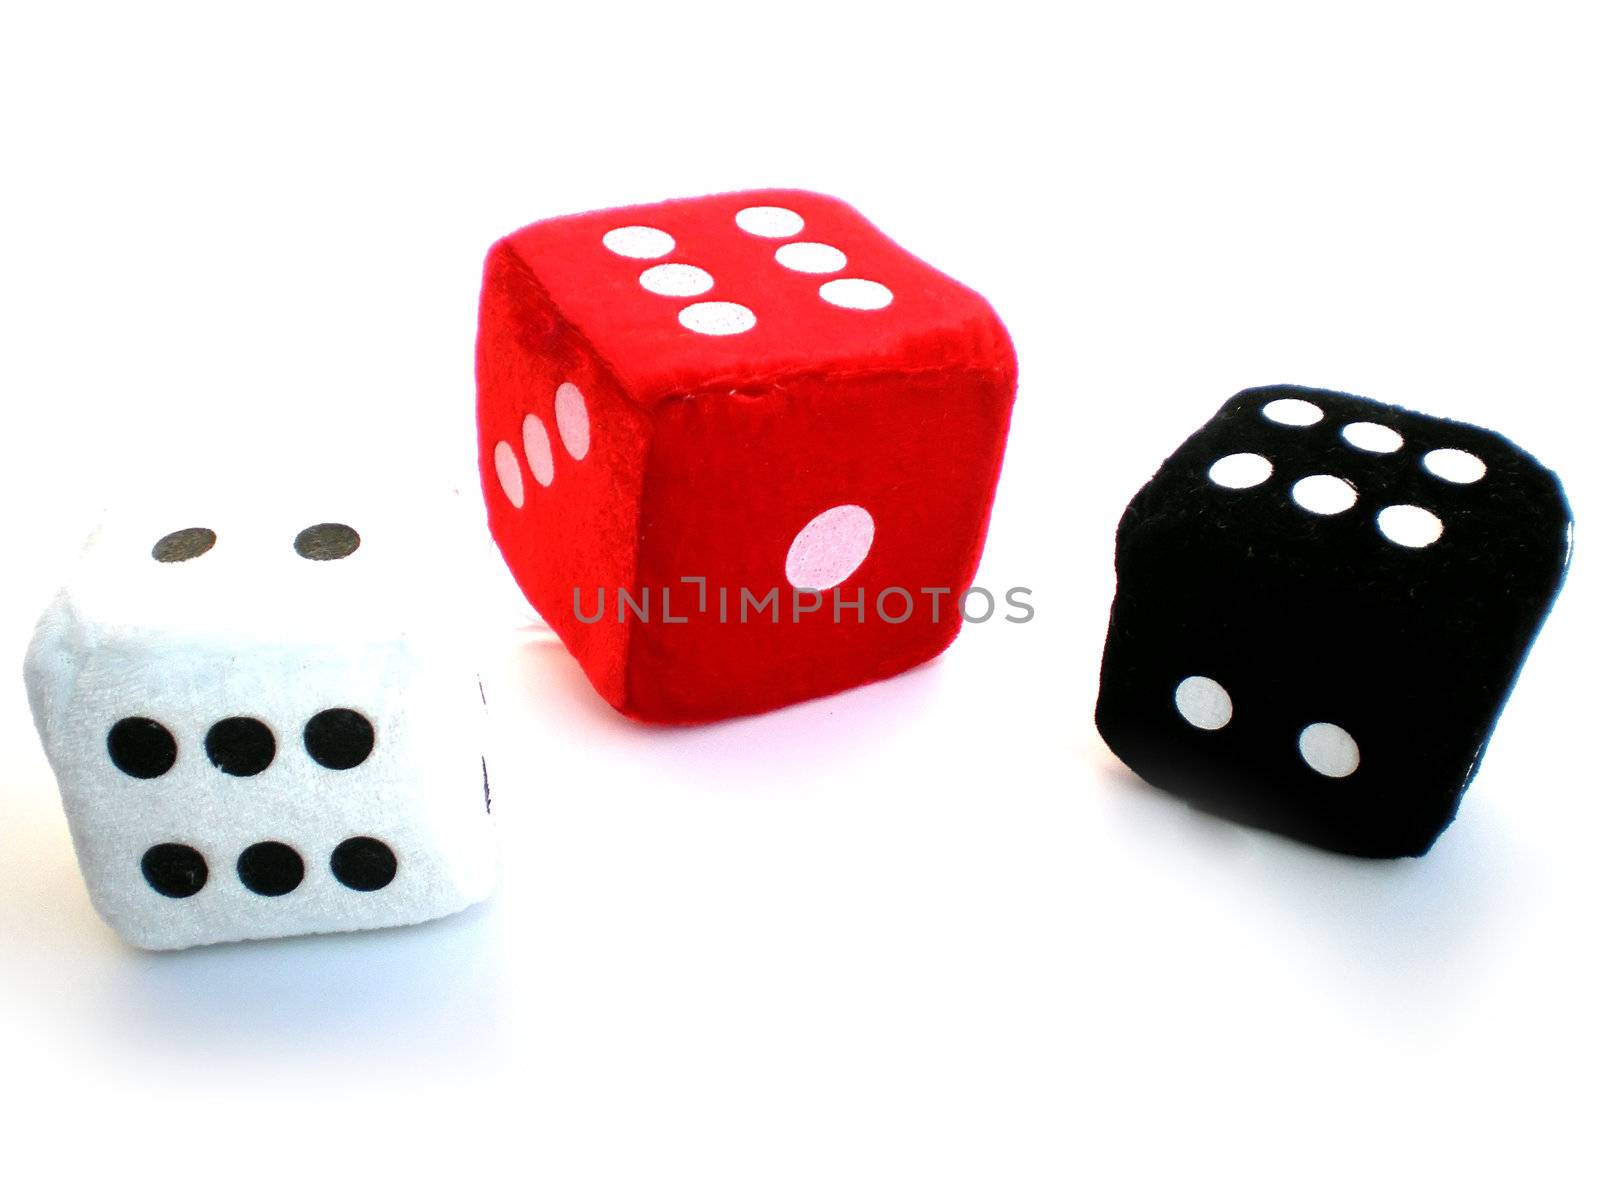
[{"x": 736, "y": 291}]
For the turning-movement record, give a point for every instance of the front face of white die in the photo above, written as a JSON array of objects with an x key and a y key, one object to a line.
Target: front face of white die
[{"x": 228, "y": 776}]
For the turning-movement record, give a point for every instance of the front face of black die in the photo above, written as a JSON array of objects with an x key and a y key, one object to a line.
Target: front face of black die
[{"x": 1322, "y": 603}]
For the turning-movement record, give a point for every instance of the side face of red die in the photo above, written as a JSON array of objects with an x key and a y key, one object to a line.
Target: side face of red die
[{"x": 739, "y": 450}]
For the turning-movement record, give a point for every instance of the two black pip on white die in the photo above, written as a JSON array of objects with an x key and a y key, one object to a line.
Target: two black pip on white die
[
  {"x": 266, "y": 724},
  {"x": 1322, "y": 605}
]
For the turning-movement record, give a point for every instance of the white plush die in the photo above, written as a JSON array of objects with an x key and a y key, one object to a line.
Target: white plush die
[{"x": 266, "y": 725}]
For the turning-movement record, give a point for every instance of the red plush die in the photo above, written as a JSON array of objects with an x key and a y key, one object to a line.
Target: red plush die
[{"x": 739, "y": 450}]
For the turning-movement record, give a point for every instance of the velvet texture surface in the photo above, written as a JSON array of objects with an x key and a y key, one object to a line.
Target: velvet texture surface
[
  {"x": 708, "y": 454},
  {"x": 1308, "y": 620},
  {"x": 258, "y": 735}
]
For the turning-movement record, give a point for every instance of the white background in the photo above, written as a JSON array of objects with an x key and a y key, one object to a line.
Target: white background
[{"x": 928, "y": 938}]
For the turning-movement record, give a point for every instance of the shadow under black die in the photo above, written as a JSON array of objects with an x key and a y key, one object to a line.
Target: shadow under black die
[{"x": 1344, "y": 683}]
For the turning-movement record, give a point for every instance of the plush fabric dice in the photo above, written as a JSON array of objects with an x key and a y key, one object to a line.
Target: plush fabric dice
[
  {"x": 739, "y": 450},
  {"x": 1322, "y": 604},
  {"x": 265, "y": 725}
]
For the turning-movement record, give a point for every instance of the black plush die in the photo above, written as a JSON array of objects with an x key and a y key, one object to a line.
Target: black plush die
[{"x": 1322, "y": 605}]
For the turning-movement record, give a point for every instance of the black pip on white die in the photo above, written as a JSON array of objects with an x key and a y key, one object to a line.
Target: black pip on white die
[{"x": 1322, "y": 605}]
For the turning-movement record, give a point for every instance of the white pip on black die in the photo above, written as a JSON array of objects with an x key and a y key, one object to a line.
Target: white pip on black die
[{"x": 266, "y": 724}]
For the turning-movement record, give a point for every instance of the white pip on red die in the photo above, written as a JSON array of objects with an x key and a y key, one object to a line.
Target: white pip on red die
[
  {"x": 265, "y": 725},
  {"x": 739, "y": 450}
]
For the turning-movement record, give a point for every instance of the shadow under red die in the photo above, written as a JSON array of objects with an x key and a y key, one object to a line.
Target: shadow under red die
[{"x": 695, "y": 415}]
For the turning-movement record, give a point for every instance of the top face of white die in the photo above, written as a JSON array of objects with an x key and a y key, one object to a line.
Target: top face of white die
[
  {"x": 746, "y": 288},
  {"x": 333, "y": 571}
]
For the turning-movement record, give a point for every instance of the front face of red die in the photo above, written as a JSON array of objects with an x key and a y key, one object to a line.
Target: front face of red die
[
  {"x": 873, "y": 491},
  {"x": 789, "y": 402}
]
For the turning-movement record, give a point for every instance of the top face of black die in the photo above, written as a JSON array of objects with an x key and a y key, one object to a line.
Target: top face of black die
[{"x": 1365, "y": 496}]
